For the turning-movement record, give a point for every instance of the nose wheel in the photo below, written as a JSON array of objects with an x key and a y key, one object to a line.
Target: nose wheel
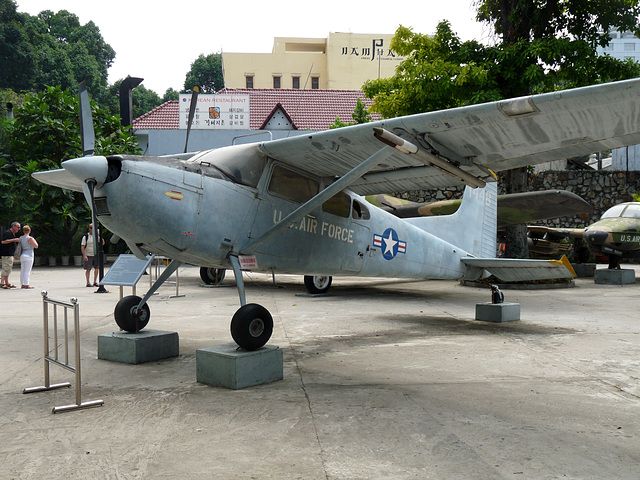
[
  {"x": 251, "y": 326},
  {"x": 129, "y": 317}
]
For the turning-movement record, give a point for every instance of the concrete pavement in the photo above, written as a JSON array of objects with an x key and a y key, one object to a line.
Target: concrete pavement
[{"x": 384, "y": 379}]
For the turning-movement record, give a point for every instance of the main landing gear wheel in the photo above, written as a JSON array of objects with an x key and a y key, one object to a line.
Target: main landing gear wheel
[
  {"x": 251, "y": 326},
  {"x": 212, "y": 276},
  {"x": 128, "y": 317},
  {"x": 317, "y": 284}
]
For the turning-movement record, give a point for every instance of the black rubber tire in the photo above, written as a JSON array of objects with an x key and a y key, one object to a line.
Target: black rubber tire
[
  {"x": 317, "y": 284},
  {"x": 125, "y": 318},
  {"x": 251, "y": 326},
  {"x": 212, "y": 276}
]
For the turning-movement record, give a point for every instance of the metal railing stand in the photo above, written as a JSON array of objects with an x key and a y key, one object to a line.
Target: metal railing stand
[{"x": 53, "y": 355}]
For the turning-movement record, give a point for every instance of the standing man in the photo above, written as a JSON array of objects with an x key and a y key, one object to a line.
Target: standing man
[
  {"x": 88, "y": 255},
  {"x": 8, "y": 248}
]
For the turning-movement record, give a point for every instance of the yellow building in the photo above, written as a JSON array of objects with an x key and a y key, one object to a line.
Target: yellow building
[{"x": 342, "y": 61}]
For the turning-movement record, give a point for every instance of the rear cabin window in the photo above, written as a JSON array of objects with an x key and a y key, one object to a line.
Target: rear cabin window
[
  {"x": 360, "y": 211},
  {"x": 339, "y": 205},
  {"x": 288, "y": 184}
]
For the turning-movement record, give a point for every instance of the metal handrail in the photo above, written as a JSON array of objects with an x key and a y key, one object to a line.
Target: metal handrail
[{"x": 52, "y": 355}]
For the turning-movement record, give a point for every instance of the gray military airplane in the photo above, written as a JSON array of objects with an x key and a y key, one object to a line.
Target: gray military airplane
[{"x": 296, "y": 205}]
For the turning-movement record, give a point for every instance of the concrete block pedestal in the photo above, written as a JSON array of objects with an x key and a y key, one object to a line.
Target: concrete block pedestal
[
  {"x": 584, "y": 270},
  {"x": 497, "y": 312},
  {"x": 226, "y": 366},
  {"x": 145, "y": 346},
  {"x": 606, "y": 276}
]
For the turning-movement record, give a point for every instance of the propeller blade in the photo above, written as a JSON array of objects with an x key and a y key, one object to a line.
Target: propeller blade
[
  {"x": 192, "y": 111},
  {"x": 87, "y": 133}
]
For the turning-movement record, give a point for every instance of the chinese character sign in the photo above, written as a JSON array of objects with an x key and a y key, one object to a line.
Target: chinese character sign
[{"x": 216, "y": 112}]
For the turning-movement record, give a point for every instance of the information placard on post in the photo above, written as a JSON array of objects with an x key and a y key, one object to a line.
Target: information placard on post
[{"x": 126, "y": 270}]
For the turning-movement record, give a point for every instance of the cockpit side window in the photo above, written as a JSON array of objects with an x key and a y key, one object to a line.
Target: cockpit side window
[
  {"x": 360, "y": 212},
  {"x": 291, "y": 185}
]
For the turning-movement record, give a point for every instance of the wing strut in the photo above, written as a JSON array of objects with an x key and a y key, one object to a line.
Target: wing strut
[{"x": 306, "y": 208}]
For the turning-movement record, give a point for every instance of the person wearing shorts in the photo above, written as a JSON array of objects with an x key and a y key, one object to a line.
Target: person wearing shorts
[{"x": 89, "y": 258}]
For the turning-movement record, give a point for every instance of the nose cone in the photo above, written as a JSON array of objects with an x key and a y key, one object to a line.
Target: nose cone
[
  {"x": 596, "y": 237},
  {"x": 87, "y": 168}
]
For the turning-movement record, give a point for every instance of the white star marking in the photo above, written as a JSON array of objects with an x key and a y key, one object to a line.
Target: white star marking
[{"x": 389, "y": 243}]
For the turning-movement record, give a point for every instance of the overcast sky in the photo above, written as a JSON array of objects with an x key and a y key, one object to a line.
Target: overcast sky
[{"x": 159, "y": 40}]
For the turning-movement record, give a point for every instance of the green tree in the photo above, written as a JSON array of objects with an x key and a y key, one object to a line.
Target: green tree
[
  {"x": 206, "y": 73},
  {"x": 171, "y": 95},
  {"x": 51, "y": 49},
  {"x": 17, "y": 53},
  {"x": 360, "y": 115},
  {"x": 45, "y": 132}
]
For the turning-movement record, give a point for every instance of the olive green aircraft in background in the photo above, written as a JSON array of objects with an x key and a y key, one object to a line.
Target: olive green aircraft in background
[
  {"x": 513, "y": 208},
  {"x": 616, "y": 234}
]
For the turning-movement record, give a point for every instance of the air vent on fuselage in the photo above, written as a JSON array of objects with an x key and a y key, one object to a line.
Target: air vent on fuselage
[{"x": 101, "y": 206}]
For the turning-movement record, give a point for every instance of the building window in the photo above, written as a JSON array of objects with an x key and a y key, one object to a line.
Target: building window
[
  {"x": 315, "y": 83},
  {"x": 629, "y": 47},
  {"x": 295, "y": 82},
  {"x": 248, "y": 80},
  {"x": 276, "y": 82}
]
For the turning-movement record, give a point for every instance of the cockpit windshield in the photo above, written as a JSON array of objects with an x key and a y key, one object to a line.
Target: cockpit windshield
[
  {"x": 613, "y": 212},
  {"x": 624, "y": 210},
  {"x": 241, "y": 163},
  {"x": 632, "y": 211}
]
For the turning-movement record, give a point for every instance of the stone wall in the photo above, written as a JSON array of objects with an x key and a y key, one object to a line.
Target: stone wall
[{"x": 601, "y": 188}]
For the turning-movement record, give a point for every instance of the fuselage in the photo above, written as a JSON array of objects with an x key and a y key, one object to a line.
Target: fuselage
[{"x": 202, "y": 210}]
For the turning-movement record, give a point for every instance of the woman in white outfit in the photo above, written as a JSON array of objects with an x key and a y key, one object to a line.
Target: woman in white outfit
[{"x": 28, "y": 244}]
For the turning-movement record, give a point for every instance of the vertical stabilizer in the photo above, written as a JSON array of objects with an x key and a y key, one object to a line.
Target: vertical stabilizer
[{"x": 473, "y": 227}]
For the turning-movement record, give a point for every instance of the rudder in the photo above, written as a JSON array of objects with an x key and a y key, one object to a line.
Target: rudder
[{"x": 473, "y": 227}]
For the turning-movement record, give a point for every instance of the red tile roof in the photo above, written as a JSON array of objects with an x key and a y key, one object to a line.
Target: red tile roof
[{"x": 307, "y": 109}]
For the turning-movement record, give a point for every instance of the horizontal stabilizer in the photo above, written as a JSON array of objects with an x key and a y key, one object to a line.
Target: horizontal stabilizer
[
  {"x": 59, "y": 178},
  {"x": 516, "y": 270}
]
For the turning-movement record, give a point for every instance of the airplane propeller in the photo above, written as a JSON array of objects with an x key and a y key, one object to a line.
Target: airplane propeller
[
  {"x": 192, "y": 111},
  {"x": 92, "y": 169}
]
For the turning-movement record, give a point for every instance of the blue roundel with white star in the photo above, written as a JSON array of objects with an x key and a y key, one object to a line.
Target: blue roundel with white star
[{"x": 389, "y": 243}]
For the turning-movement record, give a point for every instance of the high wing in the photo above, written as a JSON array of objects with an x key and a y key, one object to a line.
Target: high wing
[
  {"x": 478, "y": 138},
  {"x": 462, "y": 143}
]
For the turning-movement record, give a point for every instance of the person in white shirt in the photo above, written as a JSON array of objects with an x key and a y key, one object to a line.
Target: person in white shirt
[
  {"x": 28, "y": 244},
  {"x": 88, "y": 255}
]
